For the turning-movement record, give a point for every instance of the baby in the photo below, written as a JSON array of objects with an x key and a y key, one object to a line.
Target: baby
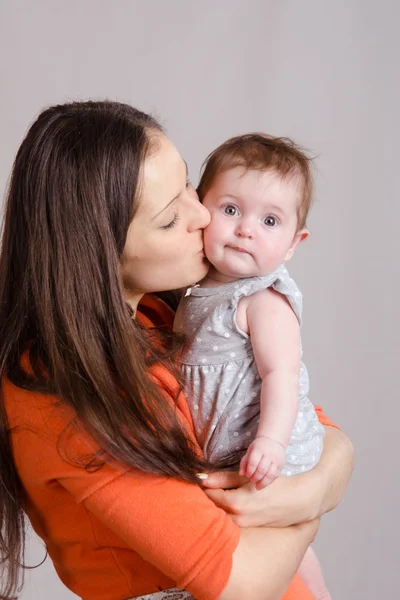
[{"x": 242, "y": 362}]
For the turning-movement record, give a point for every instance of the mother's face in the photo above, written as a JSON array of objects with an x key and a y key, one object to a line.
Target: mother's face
[{"x": 164, "y": 246}]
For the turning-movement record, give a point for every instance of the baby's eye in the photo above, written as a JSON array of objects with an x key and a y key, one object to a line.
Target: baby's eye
[
  {"x": 230, "y": 210},
  {"x": 270, "y": 221}
]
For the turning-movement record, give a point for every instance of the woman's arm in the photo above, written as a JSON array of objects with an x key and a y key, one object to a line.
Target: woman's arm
[
  {"x": 265, "y": 562},
  {"x": 178, "y": 527},
  {"x": 288, "y": 500},
  {"x": 173, "y": 525}
]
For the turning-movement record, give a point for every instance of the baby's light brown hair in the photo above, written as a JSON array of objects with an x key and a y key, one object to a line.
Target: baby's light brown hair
[{"x": 262, "y": 152}]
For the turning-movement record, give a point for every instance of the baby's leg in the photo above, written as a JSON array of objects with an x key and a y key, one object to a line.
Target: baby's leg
[{"x": 311, "y": 574}]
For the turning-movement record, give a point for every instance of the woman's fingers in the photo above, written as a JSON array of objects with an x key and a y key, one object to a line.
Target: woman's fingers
[
  {"x": 233, "y": 502},
  {"x": 220, "y": 498},
  {"x": 223, "y": 479}
]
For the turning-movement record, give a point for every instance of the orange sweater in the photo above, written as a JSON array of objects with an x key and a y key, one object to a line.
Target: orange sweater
[{"x": 117, "y": 533}]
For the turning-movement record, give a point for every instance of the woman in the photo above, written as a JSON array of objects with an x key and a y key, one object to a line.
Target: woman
[{"x": 96, "y": 443}]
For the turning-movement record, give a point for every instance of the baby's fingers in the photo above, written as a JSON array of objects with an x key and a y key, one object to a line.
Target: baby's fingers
[
  {"x": 269, "y": 476},
  {"x": 263, "y": 468},
  {"x": 253, "y": 459},
  {"x": 243, "y": 464}
]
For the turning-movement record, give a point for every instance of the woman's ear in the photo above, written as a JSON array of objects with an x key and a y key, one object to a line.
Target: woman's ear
[{"x": 299, "y": 236}]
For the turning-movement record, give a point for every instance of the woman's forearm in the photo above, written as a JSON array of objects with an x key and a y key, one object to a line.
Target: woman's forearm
[
  {"x": 334, "y": 469},
  {"x": 266, "y": 560},
  {"x": 288, "y": 500}
]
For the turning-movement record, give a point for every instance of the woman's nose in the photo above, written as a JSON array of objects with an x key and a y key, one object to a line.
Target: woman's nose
[{"x": 200, "y": 216}]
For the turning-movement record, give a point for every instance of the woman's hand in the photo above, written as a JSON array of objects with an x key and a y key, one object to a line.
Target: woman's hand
[{"x": 288, "y": 500}]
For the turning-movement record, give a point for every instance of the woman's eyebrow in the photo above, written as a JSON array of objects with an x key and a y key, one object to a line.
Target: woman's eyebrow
[
  {"x": 176, "y": 197},
  {"x": 166, "y": 206}
]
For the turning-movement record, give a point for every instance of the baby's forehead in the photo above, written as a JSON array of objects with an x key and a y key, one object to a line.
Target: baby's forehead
[{"x": 258, "y": 185}]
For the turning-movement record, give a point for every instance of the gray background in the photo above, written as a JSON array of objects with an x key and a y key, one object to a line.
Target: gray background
[{"x": 323, "y": 72}]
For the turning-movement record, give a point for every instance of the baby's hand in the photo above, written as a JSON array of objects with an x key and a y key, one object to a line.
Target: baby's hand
[{"x": 263, "y": 461}]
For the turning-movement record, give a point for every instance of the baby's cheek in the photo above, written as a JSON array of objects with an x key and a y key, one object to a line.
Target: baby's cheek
[
  {"x": 278, "y": 256},
  {"x": 269, "y": 255},
  {"x": 210, "y": 240}
]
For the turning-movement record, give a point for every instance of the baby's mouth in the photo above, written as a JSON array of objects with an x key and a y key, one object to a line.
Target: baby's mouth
[{"x": 239, "y": 249}]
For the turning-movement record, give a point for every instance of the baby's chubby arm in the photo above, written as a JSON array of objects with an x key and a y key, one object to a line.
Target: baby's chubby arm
[{"x": 275, "y": 335}]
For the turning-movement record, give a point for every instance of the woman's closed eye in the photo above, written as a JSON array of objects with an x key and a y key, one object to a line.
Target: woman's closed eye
[
  {"x": 176, "y": 217},
  {"x": 172, "y": 223}
]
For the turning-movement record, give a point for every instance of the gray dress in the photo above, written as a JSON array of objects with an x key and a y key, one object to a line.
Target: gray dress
[{"x": 222, "y": 384}]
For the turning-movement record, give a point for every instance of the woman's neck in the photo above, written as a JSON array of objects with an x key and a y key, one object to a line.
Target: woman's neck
[{"x": 132, "y": 299}]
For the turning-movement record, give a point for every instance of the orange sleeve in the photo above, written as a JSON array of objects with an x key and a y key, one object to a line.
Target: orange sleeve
[
  {"x": 170, "y": 523},
  {"x": 323, "y": 419},
  {"x": 154, "y": 312},
  {"x": 297, "y": 590}
]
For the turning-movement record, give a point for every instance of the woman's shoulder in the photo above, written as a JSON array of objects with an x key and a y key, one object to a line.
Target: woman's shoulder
[
  {"x": 154, "y": 312},
  {"x": 34, "y": 411},
  {"x": 49, "y": 444}
]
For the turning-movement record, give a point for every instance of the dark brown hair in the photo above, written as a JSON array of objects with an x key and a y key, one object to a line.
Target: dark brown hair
[
  {"x": 70, "y": 202},
  {"x": 261, "y": 152}
]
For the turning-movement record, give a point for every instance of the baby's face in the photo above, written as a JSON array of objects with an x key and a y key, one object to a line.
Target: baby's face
[{"x": 253, "y": 226}]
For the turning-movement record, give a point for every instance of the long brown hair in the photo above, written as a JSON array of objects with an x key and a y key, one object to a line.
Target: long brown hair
[{"x": 69, "y": 205}]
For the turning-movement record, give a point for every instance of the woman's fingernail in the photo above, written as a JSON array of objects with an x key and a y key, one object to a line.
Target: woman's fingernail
[{"x": 202, "y": 475}]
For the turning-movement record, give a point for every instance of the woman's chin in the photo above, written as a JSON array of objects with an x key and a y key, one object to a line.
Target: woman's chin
[
  {"x": 188, "y": 278},
  {"x": 202, "y": 272}
]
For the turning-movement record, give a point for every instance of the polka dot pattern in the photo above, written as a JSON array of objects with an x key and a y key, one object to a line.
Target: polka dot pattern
[
  {"x": 222, "y": 381},
  {"x": 171, "y": 594}
]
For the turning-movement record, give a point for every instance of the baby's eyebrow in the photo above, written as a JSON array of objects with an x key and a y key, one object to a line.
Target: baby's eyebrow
[
  {"x": 275, "y": 208},
  {"x": 230, "y": 196}
]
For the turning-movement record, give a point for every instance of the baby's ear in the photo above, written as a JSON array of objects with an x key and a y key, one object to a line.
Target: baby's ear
[{"x": 299, "y": 236}]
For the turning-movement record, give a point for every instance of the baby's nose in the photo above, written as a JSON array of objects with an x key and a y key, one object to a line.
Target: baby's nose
[{"x": 244, "y": 230}]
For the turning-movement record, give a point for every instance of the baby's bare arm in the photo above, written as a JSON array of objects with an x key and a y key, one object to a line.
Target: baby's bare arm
[{"x": 275, "y": 335}]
